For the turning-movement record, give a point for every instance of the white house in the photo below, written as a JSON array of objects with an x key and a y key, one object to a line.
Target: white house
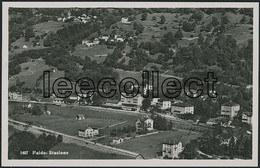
[
  {"x": 25, "y": 47},
  {"x": 125, "y": 20},
  {"x": 165, "y": 104},
  {"x": 171, "y": 149},
  {"x": 15, "y": 96},
  {"x": 58, "y": 100},
  {"x": 182, "y": 108},
  {"x": 229, "y": 109},
  {"x": 105, "y": 38},
  {"x": 118, "y": 141},
  {"x": 154, "y": 101},
  {"x": 80, "y": 117},
  {"x": 89, "y": 132},
  {"x": 247, "y": 117},
  {"x": 89, "y": 43}
]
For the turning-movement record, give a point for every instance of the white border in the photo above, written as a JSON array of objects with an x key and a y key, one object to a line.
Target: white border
[{"x": 115, "y": 163}]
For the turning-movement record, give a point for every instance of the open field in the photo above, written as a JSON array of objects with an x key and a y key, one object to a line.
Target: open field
[
  {"x": 64, "y": 119},
  {"x": 31, "y": 71},
  {"x": 148, "y": 146},
  {"x": 79, "y": 152},
  {"x": 39, "y": 29},
  {"x": 97, "y": 53}
]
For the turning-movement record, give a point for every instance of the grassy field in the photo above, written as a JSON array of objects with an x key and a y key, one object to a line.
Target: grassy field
[
  {"x": 97, "y": 53},
  {"x": 31, "y": 71},
  {"x": 148, "y": 146},
  {"x": 39, "y": 29},
  {"x": 79, "y": 152},
  {"x": 63, "y": 119}
]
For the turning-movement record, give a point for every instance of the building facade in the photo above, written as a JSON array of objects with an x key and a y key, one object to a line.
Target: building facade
[
  {"x": 182, "y": 108},
  {"x": 15, "y": 96},
  {"x": 143, "y": 124},
  {"x": 229, "y": 109},
  {"x": 88, "y": 133},
  {"x": 247, "y": 118},
  {"x": 171, "y": 149}
]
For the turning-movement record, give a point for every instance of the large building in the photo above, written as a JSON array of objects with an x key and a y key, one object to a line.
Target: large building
[
  {"x": 143, "y": 124},
  {"x": 87, "y": 133},
  {"x": 133, "y": 103},
  {"x": 182, "y": 108},
  {"x": 164, "y": 104},
  {"x": 171, "y": 149},
  {"x": 229, "y": 109}
]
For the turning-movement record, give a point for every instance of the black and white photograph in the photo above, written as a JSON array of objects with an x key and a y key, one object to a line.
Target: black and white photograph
[{"x": 123, "y": 83}]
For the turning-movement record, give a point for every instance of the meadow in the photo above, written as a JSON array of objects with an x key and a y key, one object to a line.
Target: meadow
[
  {"x": 149, "y": 146},
  {"x": 63, "y": 119}
]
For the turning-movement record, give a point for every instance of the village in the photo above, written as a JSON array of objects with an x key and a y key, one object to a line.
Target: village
[{"x": 121, "y": 43}]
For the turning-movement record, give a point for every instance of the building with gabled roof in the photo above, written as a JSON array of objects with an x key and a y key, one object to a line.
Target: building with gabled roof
[{"x": 143, "y": 124}]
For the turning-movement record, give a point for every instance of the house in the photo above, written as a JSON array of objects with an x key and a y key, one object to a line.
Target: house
[
  {"x": 47, "y": 113},
  {"x": 154, "y": 101},
  {"x": 105, "y": 38},
  {"x": 125, "y": 20},
  {"x": 88, "y": 43},
  {"x": 143, "y": 124},
  {"x": 171, "y": 149},
  {"x": 80, "y": 117},
  {"x": 128, "y": 100},
  {"x": 229, "y": 109},
  {"x": 15, "y": 96},
  {"x": 119, "y": 39},
  {"x": 247, "y": 117},
  {"x": 117, "y": 141},
  {"x": 27, "y": 105},
  {"x": 213, "y": 121},
  {"x": 164, "y": 104},
  {"x": 226, "y": 136},
  {"x": 225, "y": 122},
  {"x": 25, "y": 47},
  {"x": 89, "y": 132},
  {"x": 182, "y": 108},
  {"x": 58, "y": 100}
]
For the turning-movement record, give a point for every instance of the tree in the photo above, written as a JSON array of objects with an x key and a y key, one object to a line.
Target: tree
[
  {"x": 144, "y": 16},
  {"x": 224, "y": 20},
  {"x": 200, "y": 39},
  {"x": 178, "y": 34},
  {"x": 59, "y": 138},
  {"x": 214, "y": 21},
  {"x": 162, "y": 21},
  {"x": 29, "y": 33},
  {"x": 146, "y": 104}
]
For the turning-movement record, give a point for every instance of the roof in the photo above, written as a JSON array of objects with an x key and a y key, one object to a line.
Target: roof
[
  {"x": 182, "y": 105},
  {"x": 226, "y": 134},
  {"x": 230, "y": 103},
  {"x": 249, "y": 114},
  {"x": 170, "y": 142},
  {"x": 80, "y": 115},
  {"x": 142, "y": 119}
]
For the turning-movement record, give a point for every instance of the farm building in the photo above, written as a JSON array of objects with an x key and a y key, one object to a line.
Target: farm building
[
  {"x": 89, "y": 132},
  {"x": 117, "y": 141}
]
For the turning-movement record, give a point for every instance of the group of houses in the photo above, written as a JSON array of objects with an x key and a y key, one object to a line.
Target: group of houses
[
  {"x": 105, "y": 38},
  {"x": 81, "y": 19}
]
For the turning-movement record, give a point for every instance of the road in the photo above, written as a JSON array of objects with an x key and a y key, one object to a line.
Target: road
[{"x": 98, "y": 145}]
